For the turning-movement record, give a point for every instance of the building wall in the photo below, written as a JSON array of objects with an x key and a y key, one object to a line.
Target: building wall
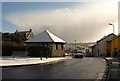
[
  {"x": 33, "y": 44},
  {"x": 57, "y": 50},
  {"x": 119, "y": 42},
  {"x": 29, "y": 35},
  {"x": 94, "y": 50},
  {"x": 108, "y": 46},
  {"x": 115, "y": 44},
  {"x": 25, "y": 35},
  {"x": 102, "y": 49}
]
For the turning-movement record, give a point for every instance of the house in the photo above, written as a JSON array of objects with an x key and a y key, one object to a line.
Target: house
[
  {"x": 16, "y": 39},
  {"x": 114, "y": 46},
  {"x": 94, "y": 50},
  {"x": 50, "y": 40},
  {"x": 108, "y": 47},
  {"x": 7, "y": 38},
  {"x": 0, "y": 43},
  {"x": 100, "y": 49},
  {"x": 24, "y": 35}
]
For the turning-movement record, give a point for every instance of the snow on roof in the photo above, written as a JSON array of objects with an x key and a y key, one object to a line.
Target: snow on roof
[{"x": 45, "y": 36}]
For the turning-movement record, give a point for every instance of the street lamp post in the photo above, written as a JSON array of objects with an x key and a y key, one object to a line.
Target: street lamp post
[{"x": 113, "y": 26}]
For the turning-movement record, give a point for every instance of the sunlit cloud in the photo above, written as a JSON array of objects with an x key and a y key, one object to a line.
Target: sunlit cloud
[{"x": 86, "y": 23}]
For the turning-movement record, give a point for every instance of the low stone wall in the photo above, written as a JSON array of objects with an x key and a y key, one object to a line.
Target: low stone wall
[{"x": 16, "y": 53}]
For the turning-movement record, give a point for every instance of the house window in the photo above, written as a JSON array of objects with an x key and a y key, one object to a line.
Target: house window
[
  {"x": 61, "y": 46},
  {"x": 56, "y": 46}
]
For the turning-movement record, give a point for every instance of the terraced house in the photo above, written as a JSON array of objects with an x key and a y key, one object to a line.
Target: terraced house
[
  {"x": 16, "y": 39},
  {"x": 103, "y": 46},
  {"x": 24, "y": 35},
  {"x": 114, "y": 46},
  {"x": 108, "y": 46}
]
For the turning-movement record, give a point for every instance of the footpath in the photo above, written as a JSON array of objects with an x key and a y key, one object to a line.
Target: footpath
[
  {"x": 9, "y": 61},
  {"x": 113, "y": 69}
]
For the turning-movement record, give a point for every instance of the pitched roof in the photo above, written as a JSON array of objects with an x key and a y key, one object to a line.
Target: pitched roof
[
  {"x": 114, "y": 37},
  {"x": 106, "y": 37},
  {"x": 23, "y": 31},
  {"x": 45, "y": 36}
]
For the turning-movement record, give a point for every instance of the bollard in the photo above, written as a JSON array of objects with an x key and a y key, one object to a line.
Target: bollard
[{"x": 41, "y": 55}]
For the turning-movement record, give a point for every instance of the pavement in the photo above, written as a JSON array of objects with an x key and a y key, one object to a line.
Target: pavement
[
  {"x": 113, "y": 72},
  {"x": 9, "y": 61}
]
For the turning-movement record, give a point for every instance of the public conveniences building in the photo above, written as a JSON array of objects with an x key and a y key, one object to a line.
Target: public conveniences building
[{"x": 50, "y": 40}]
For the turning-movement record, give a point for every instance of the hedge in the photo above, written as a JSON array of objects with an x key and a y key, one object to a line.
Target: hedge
[
  {"x": 36, "y": 51},
  {"x": 8, "y": 49}
]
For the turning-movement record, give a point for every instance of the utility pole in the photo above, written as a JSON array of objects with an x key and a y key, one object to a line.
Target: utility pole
[{"x": 75, "y": 45}]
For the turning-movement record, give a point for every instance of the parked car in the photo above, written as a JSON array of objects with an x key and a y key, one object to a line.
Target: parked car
[{"x": 78, "y": 55}]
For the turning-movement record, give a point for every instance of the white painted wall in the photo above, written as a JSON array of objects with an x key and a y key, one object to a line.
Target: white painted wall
[{"x": 101, "y": 46}]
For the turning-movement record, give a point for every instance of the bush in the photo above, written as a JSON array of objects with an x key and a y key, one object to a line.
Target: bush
[
  {"x": 8, "y": 49},
  {"x": 39, "y": 51}
]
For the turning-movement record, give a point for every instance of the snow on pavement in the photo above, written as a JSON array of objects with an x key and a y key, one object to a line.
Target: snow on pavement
[{"x": 11, "y": 61}]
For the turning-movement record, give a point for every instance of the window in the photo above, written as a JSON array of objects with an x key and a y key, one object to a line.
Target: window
[
  {"x": 56, "y": 46},
  {"x": 61, "y": 46},
  {"x": 45, "y": 44}
]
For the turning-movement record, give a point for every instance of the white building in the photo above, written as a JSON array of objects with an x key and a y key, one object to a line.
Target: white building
[{"x": 100, "y": 48}]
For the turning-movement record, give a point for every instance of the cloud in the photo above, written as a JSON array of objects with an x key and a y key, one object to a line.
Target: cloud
[
  {"x": 86, "y": 23},
  {"x": 63, "y": 10}
]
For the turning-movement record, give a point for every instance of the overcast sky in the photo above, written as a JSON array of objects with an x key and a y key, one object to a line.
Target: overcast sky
[{"x": 81, "y": 21}]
